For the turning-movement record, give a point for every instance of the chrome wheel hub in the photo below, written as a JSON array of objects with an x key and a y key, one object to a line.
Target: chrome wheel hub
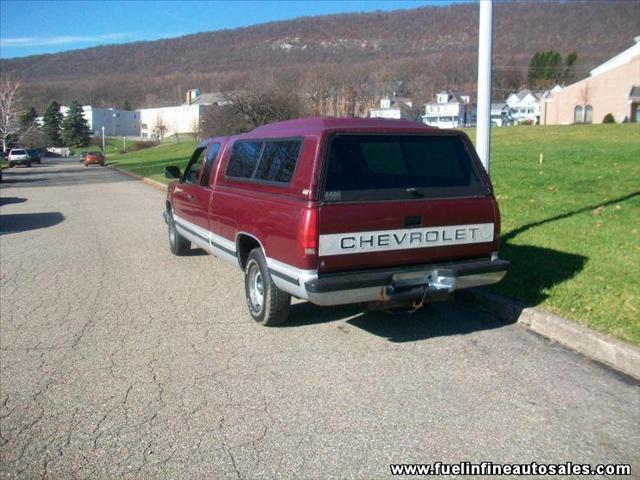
[{"x": 256, "y": 287}]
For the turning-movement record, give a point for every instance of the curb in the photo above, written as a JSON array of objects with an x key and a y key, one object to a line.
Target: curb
[
  {"x": 148, "y": 181},
  {"x": 615, "y": 353}
]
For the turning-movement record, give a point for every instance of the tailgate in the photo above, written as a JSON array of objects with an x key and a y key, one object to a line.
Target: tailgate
[{"x": 393, "y": 200}]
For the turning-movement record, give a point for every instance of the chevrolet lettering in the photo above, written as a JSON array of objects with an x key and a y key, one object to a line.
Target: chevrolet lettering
[
  {"x": 337, "y": 211},
  {"x": 346, "y": 244}
]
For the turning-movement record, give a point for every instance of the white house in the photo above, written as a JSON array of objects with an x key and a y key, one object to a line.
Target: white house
[
  {"x": 116, "y": 123},
  {"x": 501, "y": 115},
  {"x": 393, "y": 107},
  {"x": 164, "y": 121},
  {"x": 450, "y": 110},
  {"x": 525, "y": 106}
]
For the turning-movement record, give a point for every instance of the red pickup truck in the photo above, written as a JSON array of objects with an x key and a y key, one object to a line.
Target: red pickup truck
[{"x": 340, "y": 211}]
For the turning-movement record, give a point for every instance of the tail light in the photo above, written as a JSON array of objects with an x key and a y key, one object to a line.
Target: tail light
[{"x": 309, "y": 232}]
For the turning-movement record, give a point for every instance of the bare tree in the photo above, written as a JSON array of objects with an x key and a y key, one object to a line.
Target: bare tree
[
  {"x": 159, "y": 129},
  {"x": 195, "y": 128},
  {"x": 248, "y": 109},
  {"x": 9, "y": 109},
  {"x": 585, "y": 98}
]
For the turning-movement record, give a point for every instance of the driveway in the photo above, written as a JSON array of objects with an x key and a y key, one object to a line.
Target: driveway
[{"x": 120, "y": 360}]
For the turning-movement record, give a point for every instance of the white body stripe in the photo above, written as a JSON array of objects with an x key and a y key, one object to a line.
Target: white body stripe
[
  {"x": 212, "y": 237},
  {"x": 212, "y": 243},
  {"x": 404, "y": 239}
]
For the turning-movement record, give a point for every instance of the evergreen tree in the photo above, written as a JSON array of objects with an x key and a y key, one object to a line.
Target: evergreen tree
[
  {"x": 126, "y": 105},
  {"x": 28, "y": 118},
  {"x": 75, "y": 128},
  {"x": 51, "y": 124},
  {"x": 547, "y": 68}
]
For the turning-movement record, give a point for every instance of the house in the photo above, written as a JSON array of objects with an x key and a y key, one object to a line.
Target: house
[
  {"x": 501, "y": 115},
  {"x": 116, "y": 123},
  {"x": 393, "y": 107},
  {"x": 525, "y": 106},
  {"x": 450, "y": 110},
  {"x": 160, "y": 122},
  {"x": 612, "y": 87}
]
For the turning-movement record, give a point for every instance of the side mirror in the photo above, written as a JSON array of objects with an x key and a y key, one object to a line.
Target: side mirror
[{"x": 172, "y": 173}]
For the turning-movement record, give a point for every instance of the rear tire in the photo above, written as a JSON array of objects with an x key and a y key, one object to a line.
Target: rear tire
[
  {"x": 28, "y": 164},
  {"x": 268, "y": 305},
  {"x": 177, "y": 243},
  {"x": 11, "y": 165}
]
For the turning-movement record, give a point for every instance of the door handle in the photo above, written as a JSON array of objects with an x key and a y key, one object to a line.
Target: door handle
[{"x": 191, "y": 197}]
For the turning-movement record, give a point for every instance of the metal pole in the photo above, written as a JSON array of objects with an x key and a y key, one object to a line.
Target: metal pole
[
  {"x": 485, "y": 34},
  {"x": 103, "y": 139},
  {"x": 124, "y": 144}
]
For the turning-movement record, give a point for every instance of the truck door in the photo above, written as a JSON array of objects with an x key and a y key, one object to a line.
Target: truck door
[
  {"x": 202, "y": 194},
  {"x": 185, "y": 196}
]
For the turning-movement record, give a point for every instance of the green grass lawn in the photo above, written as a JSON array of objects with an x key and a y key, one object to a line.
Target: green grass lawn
[
  {"x": 570, "y": 225},
  {"x": 150, "y": 162}
]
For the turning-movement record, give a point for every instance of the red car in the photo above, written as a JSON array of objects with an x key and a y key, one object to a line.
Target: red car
[
  {"x": 93, "y": 158},
  {"x": 339, "y": 211}
]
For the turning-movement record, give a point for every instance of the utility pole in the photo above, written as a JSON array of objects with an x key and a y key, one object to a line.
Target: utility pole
[{"x": 485, "y": 40}]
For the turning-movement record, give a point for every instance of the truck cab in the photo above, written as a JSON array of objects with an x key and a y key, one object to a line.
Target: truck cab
[{"x": 338, "y": 211}]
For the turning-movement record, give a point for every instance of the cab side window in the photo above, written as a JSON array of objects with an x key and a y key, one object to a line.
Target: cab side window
[
  {"x": 195, "y": 164},
  {"x": 212, "y": 154}
]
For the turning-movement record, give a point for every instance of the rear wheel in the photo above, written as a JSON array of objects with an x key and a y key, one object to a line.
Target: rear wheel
[
  {"x": 28, "y": 164},
  {"x": 177, "y": 243},
  {"x": 11, "y": 164},
  {"x": 268, "y": 305}
]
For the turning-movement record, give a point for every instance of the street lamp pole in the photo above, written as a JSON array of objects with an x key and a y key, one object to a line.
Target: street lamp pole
[
  {"x": 103, "y": 139},
  {"x": 485, "y": 37}
]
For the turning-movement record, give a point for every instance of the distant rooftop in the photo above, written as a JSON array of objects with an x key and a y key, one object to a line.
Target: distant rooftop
[{"x": 209, "y": 99}]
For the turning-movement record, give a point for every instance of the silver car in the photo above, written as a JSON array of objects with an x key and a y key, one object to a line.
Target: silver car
[{"x": 19, "y": 156}]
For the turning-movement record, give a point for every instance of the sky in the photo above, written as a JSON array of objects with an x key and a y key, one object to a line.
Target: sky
[{"x": 36, "y": 27}]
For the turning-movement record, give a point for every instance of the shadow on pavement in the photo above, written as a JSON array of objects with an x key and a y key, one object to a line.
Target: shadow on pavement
[
  {"x": 10, "y": 200},
  {"x": 196, "y": 252},
  {"x": 68, "y": 175},
  {"x": 533, "y": 272},
  {"x": 23, "y": 222},
  {"x": 434, "y": 320}
]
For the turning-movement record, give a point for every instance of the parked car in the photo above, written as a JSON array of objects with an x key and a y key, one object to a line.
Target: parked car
[
  {"x": 339, "y": 211},
  {"x": 93, "y": 157},
  {"x": 35, "y": 155},
  {"x": 19, "y": 156}
]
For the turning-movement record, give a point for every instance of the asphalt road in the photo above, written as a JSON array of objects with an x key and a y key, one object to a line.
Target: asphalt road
[{"x": 119, "y": 360}]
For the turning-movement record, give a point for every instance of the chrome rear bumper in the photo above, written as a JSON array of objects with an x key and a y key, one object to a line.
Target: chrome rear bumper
[{"x": 431, "y": 282}]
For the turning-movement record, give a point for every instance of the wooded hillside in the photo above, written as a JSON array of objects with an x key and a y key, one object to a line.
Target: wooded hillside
[{"x": 426, "y": 49}]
